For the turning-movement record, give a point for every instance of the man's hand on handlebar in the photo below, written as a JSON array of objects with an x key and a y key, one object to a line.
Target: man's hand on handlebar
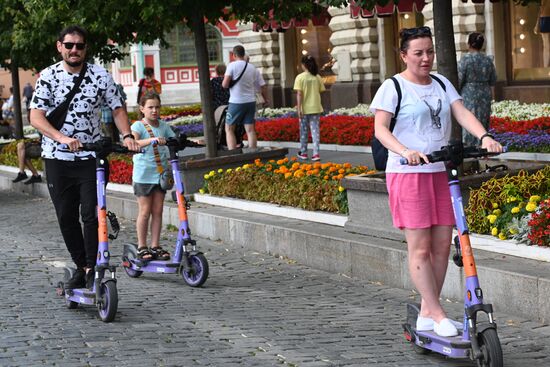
[
  {"x": 132, "y": 145},
  {"x": 70, "y": 144}
]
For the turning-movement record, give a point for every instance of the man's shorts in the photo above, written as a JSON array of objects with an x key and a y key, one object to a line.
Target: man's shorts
[{"x": 240, "y": 113}]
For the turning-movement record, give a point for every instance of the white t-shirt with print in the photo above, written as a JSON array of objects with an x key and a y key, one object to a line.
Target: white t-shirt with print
[
  {"x": 251, "y": 81},
  {"x": 83, "y": 118},
  {"x": 424, "y": 119}
]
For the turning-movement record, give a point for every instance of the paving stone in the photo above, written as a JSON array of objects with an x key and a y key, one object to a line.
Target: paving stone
[{"x": 254, "y": 310}]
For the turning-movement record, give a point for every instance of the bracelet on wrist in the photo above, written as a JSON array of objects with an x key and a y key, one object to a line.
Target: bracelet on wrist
[
  {"x": 128, "y": 136},
  {"x": 485, "y": 136},
  {"x": 404, "y": 151}
]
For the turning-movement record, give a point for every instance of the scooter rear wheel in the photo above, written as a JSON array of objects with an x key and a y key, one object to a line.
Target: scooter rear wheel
[
  {"x": 419, "y": 350},
  {"x": 71, "y": 305},
  {"x": 196, "y": 276},
  {"x": 132, "y": 273},
  {"x": 108, "y": 308},
  {"x": 491, "y": 349}
]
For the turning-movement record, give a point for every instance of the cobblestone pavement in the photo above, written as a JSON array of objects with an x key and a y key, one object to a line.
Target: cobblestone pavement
[{"x": 254, "y": 310}]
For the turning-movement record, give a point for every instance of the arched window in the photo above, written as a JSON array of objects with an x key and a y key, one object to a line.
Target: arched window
[{"x": 182, "y": 46}]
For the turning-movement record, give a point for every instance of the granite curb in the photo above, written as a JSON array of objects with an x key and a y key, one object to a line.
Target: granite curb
[{"x": 512, "y": 284}]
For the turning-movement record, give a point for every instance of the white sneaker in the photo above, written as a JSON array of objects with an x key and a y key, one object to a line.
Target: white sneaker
[
  {"x": 445, "y": 328},
  {"x": 424, "y": 323}
]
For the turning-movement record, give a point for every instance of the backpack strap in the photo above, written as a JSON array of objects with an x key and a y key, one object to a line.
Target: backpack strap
[
  {"x": 398, "y": 107},
  {"x": 439, "y": 81}
]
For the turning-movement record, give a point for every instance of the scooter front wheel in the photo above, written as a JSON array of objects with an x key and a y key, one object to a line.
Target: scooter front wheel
[
  {"x": 489, "y": 344},
  {"x": 107, "y": 308},
  {"x": 197, "y": 274}
]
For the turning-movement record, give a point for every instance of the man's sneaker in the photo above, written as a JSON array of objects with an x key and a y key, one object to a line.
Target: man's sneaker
[
  {"x": 316, "y": 157},
  {"x": 302, "y": 155},
  {"x": 90, "y": 276},
  {"x": 77, "y": 281},
  {"x": 20, "y": 177},
  {"x": 33, "y": 179}
]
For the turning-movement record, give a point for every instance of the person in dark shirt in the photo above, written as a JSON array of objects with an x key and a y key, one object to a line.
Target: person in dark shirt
[{"x": 220, "y": 95}]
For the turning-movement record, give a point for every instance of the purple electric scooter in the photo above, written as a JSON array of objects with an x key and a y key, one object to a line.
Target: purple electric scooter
[
  {"x": 104, "y": 291},
  {"x": 186, "y": 259},
  {"x": 478, "y": 339}
]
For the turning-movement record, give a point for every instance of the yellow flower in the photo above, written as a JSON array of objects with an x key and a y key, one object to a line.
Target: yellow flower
[
  {"x": 495, "y": 205},
  {"x": 246, "y": 166},
  {"x": 513, "y": 231},
  {"x": 206, "y": 176},
  {"x": 340, "y": 188},
  {"x": 237, "y": 169},
  {"x": 531, "y": 207},
  {"x": 229, "y": 170},
  {"x": 220, "y": 170},
  {"x": 494, "y": 231},
  {"x": 201, "y": 191},
  {"x": 492, "y": 218},
  {"x": 497, "y": 212},
  {"x": 534, "y": 199},
  {"x": 502, "y": 236},
  {"x": 515, "y": 210},
  {"x": 211, "y": 173}
]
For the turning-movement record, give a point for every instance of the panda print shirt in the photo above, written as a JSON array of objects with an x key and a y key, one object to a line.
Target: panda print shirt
[{"x": 83, "y": 118}]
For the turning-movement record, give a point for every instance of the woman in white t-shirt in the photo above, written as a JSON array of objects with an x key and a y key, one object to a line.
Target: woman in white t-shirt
[{"x": 419, "y": 196}]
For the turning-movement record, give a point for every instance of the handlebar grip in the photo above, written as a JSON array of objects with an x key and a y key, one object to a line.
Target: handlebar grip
[{"x": 403, "y": 161}]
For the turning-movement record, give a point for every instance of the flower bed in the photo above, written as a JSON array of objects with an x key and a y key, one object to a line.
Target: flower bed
[
  {"x": 514, "y": 207},
  {"x": 313, "y": 186},
  {"x": 335, "y": 129}
]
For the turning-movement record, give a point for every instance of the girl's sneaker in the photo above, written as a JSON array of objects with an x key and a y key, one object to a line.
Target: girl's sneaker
[
  {"x": 316, "y": 157},
  {"x": 302, "y": 155}
]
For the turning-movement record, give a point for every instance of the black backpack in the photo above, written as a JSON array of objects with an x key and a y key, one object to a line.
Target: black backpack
[
  {"x": 380, "y": 152},
  {"x": 220, "y": 116}
]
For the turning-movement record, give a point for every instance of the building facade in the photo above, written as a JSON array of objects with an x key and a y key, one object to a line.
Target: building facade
[{"x": 355, "y": 54}]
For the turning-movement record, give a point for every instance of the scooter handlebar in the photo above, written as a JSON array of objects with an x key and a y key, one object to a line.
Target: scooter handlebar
[
  {"x": 456, "y": 153},
  {"x": 101, "y": 146}
]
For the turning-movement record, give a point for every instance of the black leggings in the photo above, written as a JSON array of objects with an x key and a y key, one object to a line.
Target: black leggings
[{"x": 72, "y": 186}]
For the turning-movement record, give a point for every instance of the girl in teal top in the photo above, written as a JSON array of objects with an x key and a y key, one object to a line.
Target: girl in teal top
[
  {"x": 308, "y": 86},
  {"x": 146, "y": 176}
]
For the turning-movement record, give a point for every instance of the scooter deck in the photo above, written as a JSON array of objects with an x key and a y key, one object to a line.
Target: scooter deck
[
  {"x": 155, "y": 266},
  {"x": 80, "y": 295},
  {"x": 454, "y": 347}
]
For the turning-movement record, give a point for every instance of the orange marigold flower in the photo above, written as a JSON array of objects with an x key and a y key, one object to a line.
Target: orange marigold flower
[
  {"x": 288, "y": 175},
  {"x": 326, "y": 177},
  {"x": 257, "y": 160},
  {"x": 332, "y": 169},
  {"x": 326, "y": 165},
  {"x": 283, "y": 169},
  {"x": 347, "y": 165},
  {"x": 341, "y": 170},
  {"x": 315, "y": 171},
  {"x": 280, "y": 162},
  {"x": 340, "y": 176}
]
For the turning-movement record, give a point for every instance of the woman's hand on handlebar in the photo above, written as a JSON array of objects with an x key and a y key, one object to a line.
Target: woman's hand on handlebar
[
  {"x": 491, "y": 145},
  {"x": 414, "y": 158}
]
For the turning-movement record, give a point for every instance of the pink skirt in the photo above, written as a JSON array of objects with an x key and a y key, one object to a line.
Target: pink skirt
[{"x": 420, "y": 200}]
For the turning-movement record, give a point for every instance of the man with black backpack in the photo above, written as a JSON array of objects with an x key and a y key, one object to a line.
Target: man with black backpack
[
  {"x": 65, "y": 109},
  {"x": 242, "y": 79}
]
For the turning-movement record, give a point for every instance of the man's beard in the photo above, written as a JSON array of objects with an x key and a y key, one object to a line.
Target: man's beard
[{"x": 74, "y": 64}]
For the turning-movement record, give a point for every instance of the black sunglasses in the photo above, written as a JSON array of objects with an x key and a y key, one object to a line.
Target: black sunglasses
[
  {"x": 407, "y": 33},
  {"x": 70, "y": 45}
]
